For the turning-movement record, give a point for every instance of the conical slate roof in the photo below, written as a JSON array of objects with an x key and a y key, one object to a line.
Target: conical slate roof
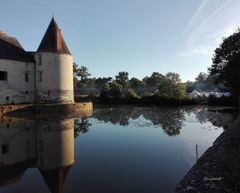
[{"x": 53, "y": 41}]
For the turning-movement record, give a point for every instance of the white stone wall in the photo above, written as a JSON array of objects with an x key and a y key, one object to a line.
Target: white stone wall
[
  {"x": 56, "y": 85},
  {"x": 16, "y": 88}
]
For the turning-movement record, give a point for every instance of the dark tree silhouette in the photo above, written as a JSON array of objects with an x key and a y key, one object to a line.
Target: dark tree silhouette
[
  {"x": 226, "y": 63},
  {"x": 122, "y": 78}
]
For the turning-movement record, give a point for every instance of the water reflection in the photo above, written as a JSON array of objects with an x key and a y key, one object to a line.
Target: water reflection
[
  {"x": 81, "y": 125},
  {"x": 110, "y": 154},
  {"x": 44, "y": 144},
  {"x": 171, "y": 120}
]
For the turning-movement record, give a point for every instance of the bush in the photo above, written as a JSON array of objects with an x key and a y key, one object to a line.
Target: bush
[
  {"x": 131, "y": 94},
  {"x": 111, "y": 90}
]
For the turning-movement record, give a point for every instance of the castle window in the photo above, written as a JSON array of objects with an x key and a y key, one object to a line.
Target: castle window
[
  {"x": 5, "y": 148},
  {"x": 7, "y": 98},
  {"x": 3, "y": 75},
  {"x": 39, "y": 76},
  {"x": 26, "y": 77},
  {"x": 27, "y": 92},
  {"x": 39, "y": 59},
  {"x": 48, "y": 93}
]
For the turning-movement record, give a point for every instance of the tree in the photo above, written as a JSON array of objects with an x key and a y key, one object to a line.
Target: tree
[
  {"x": 154, "y": 79},
  {"x": 122, "y": 78},
  {"x": 135, "y": 83},
  {"x": 131, "y": 94},
  {"x": 226, "y": 63},
  {"x": 111, "y": 90},
  {"x": 81, "y": 72},
  {"x": 174, "y": 77},
  {"x": 202, "y": 77},
  {"x": 171, "y": 87}
]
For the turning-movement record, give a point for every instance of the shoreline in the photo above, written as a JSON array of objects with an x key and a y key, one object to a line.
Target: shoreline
[{"x": 217, "y": 170}]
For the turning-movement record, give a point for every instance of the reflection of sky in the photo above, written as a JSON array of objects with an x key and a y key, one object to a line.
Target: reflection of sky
[
  {"x": 139, "y": 156},
  {"x": 202, "y": 134}
]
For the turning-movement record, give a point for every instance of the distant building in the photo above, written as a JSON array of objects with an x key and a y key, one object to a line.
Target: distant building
[{"x": 44, "y": 76}]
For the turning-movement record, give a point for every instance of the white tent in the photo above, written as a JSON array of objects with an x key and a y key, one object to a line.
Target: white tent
[{"x": 195, "y": 94}]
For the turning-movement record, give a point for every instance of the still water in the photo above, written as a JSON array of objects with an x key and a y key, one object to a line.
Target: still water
[{"x": 116, "y": 150}]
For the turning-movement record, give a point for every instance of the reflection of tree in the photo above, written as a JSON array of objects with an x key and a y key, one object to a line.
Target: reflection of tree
[
  {"x": 170, "y": 119},
  {"x": 115, "y": 116},
  {"x": 81, "y": 125},
  {"x": 217, "y": 118}
]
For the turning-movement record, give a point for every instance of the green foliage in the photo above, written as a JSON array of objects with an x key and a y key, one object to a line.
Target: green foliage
[
  {"x": 135, "y": 83},
  {"x": 153, "y": 80},
  {"x": 80, "y": 72},
  {"x": 131, "y": 93},
  {"x": 122, "y": 78},
  {"x": 226, "y": 65},
  {"x": 202, "y": 77},
  {"x": 111, "y": 90},
  {"x": 171, "y": 87},
  {"x": 173, "y": 77}
]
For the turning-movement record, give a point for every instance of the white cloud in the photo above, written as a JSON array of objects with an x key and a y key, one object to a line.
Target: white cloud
[{"x": 205, "y": 31}]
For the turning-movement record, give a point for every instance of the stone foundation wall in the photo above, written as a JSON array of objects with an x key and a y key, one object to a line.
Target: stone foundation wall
[
  {"x": 55, "y": 96},
  {"x": 83, "y": 109},
  {"x": 65, "y": 109},
  {"x": 4, "y": 109}
]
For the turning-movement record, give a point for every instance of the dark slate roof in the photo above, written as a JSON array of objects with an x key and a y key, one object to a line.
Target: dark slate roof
[
  {"x": 11, "y": 49},
  {"x": 53, "y": 41}
]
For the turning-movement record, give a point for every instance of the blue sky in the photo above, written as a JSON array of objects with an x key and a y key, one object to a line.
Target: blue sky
[{"x": 138, "y": 36}]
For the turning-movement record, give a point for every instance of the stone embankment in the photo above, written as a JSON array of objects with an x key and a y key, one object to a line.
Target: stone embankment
[
  {"x": 218, "y": 169},
  {"x": 84, "y": 108}
]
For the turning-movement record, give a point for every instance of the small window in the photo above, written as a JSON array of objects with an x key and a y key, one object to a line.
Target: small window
[
  {"x": 27, "y": 92},
  {"x": 3, "y": 75},
  {"x": 39, "y": 76},
  {"x": 48, "y": 93},
  {"x": 26, "y": 77},
  {"x": 7, "y": 98},
  {"x": 5, "y": 148},
  {"x": 39, "y": 59}
]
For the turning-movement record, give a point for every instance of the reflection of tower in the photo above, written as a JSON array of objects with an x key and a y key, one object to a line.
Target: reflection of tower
[
  {"x": 55, "y": 151},
  {"x": 45, "y": 144}
]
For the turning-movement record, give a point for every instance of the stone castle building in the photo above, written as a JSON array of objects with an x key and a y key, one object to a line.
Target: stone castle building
[{"x": 44, "y": 76}]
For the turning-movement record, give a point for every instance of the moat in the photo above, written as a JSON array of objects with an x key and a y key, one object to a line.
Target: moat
[{"x": 117, "y": 149}]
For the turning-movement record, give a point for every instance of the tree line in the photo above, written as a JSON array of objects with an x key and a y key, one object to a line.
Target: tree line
[
  {"x": 223, "y": 75},
  {"x": 168, "y": 85}
]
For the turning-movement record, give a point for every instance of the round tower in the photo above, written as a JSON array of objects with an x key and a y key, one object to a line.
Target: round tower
[{"x": 54, "y": 68}]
